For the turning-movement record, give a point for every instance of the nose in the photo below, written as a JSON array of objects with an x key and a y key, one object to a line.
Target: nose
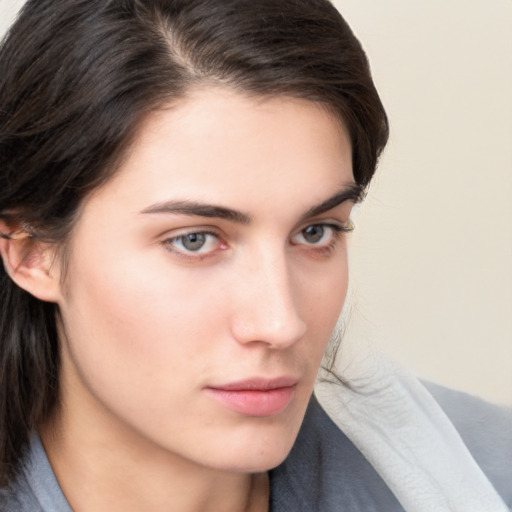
[{"x": 265, "y": 309}]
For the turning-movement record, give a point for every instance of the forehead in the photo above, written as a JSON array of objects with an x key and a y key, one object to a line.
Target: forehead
[{"x": 221, "y": 147}]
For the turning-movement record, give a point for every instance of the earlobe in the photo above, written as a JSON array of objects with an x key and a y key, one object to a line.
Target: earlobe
[{"x": 30, "y": 263}]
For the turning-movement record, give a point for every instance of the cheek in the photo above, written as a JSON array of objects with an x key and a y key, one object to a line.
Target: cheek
[
  {"x": 145, "y": 336},
  {"x": 139, "y": 311},
  {"x": 323, "y": 293},
  {"x": 136, "y": 332}
]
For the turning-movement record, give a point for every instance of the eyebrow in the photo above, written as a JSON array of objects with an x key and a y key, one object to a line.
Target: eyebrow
[
  {"x": 352, "y": 192},
  {"x": 194, "y": 208}
]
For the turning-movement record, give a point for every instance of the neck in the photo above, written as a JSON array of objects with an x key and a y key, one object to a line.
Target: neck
[
  {"x": 102, "y": 465},
  {"x": 99, "y": 473}
]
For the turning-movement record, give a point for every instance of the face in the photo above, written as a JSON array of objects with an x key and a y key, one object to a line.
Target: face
[{"x": 205, "y": 279}]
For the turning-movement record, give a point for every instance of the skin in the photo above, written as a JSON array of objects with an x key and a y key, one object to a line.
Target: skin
[{"x": 147, "y": 326}]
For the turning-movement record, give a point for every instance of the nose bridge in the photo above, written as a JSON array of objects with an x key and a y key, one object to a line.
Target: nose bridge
[{"x": 268, "y": 310}]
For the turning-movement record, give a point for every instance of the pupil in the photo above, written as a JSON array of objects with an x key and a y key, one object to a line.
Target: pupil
[
  {"x": 313, "y": 234},
  {"x": 194, "y": 241}
]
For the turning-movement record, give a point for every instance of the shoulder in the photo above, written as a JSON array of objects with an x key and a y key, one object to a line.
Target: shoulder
[
  {"x": 35, "y": 489},
  {"x": 18, "y": 498},
  {"x": 486, "y": 430},
  {"x": 325, "y": 470}
]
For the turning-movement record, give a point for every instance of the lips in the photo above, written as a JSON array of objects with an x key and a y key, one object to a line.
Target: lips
[{"x": 256, "y": 397}]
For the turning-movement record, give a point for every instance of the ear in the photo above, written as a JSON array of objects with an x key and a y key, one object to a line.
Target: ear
[{"x": 30, "y": 263}]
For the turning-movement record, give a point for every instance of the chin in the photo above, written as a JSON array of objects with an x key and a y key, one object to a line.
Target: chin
[
  {"x": 259, "y": 462},
  {"x": 260, "y": 450}
]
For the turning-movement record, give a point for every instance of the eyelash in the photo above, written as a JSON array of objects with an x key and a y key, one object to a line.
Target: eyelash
[
  {"x": 192, "y": 255},
  {"x": 337, "y": 232}
]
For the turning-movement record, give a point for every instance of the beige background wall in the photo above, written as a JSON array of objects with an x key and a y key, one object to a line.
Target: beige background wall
[
  {"x": 432, "y": 255},
  {"x": 432, "y": 258}
]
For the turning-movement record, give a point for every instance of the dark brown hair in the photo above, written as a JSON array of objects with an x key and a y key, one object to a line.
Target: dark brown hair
[{"x": 76, "y": 79}]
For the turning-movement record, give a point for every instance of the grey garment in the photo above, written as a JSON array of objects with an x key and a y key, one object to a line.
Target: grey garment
[
  {"x": 36, "y": 489},
  {"x": 324, "y": 471}
]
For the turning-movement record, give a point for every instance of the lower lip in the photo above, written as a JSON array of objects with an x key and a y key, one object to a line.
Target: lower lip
[{"x": 253, "y": 402}]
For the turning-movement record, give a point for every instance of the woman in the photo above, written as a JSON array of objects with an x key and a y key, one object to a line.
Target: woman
[{"x": 176, "y": 184}]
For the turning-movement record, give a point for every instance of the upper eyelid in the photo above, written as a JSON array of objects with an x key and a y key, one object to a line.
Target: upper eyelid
[
  {"x": 179, "y": 232},
  {"x": 347, "y": 225},
  {"x": 334, "y": 223},
  {"x": 336, "y": 213},
  {"x": 189, "y": 255},
  {"x": 183, "y": 235},
  {"x": 335, "y": 226},
  {"x": 176, "y": 233},
  {"x": 170, "y": 237}
]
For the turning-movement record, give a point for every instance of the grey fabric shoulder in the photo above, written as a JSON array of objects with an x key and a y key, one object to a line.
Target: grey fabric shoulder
[
  {"x": 486, "y": 429},
  {"x": 36, "y": 489},
  {"x": 325, "y": 472}
]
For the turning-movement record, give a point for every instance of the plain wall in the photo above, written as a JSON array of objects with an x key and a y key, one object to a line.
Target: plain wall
[{"x": 431, "y": 259}]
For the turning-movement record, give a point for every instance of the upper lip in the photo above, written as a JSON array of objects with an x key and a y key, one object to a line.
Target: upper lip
[{"x": 257, "y": 384}]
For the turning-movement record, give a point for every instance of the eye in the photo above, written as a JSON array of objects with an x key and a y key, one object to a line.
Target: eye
[
  {"x": 321, "y": 235},
  {"x": 200, "y": 243},
  {"x": 314, "y": 234}
]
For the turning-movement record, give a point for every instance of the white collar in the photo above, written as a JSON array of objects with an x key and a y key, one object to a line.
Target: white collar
[{"x": 401, "y": 430}]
